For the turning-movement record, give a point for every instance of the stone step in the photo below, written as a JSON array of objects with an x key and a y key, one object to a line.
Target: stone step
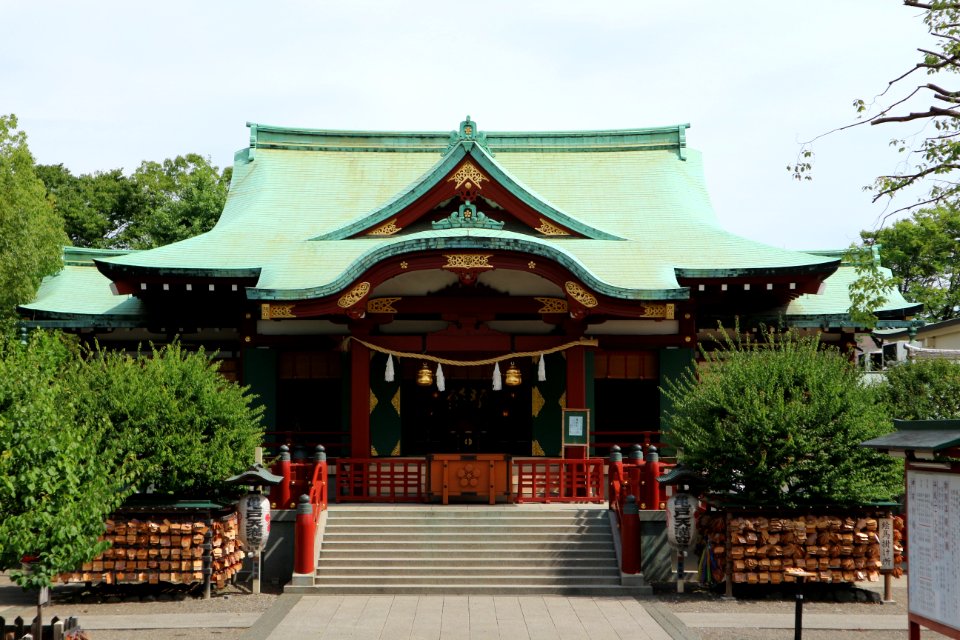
[
  {"x": 505, "y": 589},
  {"x": 453, "y": 546},
  {"x": 469, "y": 512},
  {"x": 466, "y": 537},
  {"x": 470, "y": 580},
  {"x": 325, "y": 569},
  {"x": 467, "y": 522},
  {"x": 374, "y": 558}
]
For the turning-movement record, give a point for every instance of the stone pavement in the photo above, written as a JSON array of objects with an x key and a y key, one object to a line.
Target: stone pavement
[{"x": 411, "y": 617}]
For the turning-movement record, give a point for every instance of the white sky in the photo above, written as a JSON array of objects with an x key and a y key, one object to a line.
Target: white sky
[{"x": 102, "y": 85}]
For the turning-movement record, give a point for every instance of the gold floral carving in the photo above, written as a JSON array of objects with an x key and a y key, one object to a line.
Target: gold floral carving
[
  {"x": 387, "y": 229},
  {"x": 537, "y": 450},
  {"x": 580, "y": 294},
  {"x": 552, "y": 305},
  {"x": 563, "y": 400},
  {"x": 373, "y": 452},
  {"x": 272, "y": 311},
  {"x": 396, "y": 449},
  {"x": 665, "y": 311},
  {"x": 354, "y": 296},
  {"x": 373, "y": 401},
  {"x": 531, "y": 265},
  {"x": 396, "y": 401},
  {"x": 549, "y": 229},
  {"x": 467, "y": 173},
  {"x": 538, "y": 402},
  {"x": 468, "y": 261},
  {"x": 382, "y": 305}
]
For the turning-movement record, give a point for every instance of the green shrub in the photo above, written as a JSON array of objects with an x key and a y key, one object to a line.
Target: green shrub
[
  {"x": 778, "y": 423},
  {"x": 188, "y": 426},
  {"x": 923, "y": 390}
]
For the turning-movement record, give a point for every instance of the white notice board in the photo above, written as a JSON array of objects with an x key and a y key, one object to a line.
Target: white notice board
[{"x": 933, "y": 545}]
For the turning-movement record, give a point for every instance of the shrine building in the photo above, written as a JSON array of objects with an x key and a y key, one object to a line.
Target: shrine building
[{"x": 405, "y": 294}]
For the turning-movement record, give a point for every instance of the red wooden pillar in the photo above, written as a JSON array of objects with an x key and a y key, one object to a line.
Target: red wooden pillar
[
  {"x": 576, "y": 378},
  {"x": 359, "y": 400}
]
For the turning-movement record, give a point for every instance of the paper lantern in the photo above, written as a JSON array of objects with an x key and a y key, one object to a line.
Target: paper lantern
[
  {"x": 254, "y": 512},
  {"x": 681, "y": 523}
]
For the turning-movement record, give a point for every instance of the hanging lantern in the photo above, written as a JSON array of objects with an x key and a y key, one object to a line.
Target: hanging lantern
[
  {"x": 253, "y": 510},
  {"x": 512, "y": 376},
  {"x": 424, "y": 376}
]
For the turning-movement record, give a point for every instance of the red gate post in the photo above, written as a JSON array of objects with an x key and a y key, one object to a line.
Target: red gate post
[
  {"x": 282, "y": 468},
  {"x": 614, "y": 477},
  {"x": 636, "y": 479},
  {"x": 303, "y": 536},
  {"x": 630, "y": 537},
  {"x": 653, "y": 472}
]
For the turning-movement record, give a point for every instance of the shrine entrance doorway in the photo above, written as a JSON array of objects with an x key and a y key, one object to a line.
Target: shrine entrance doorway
[{"x": 468, "y": 416}]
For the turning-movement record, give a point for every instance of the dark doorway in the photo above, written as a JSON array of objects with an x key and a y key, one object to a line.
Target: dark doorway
[{"x": 467, "y": 417}]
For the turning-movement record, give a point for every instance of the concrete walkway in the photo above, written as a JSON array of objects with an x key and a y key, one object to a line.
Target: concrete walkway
[{"x": 410, "y": 617}]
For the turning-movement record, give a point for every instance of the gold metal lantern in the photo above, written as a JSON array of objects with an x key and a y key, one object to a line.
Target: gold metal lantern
[
  {"x": 424, "y": 376},
  {"x": 512, "y": 376}
]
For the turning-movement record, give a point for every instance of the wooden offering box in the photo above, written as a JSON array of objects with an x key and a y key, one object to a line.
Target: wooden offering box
[{"x": 469, "y": 476}]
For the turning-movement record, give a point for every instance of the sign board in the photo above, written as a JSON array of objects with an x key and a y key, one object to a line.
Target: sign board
[
  {"x": 885, "y": 533},
  {"x": 933, "y": 536},
  {"x": 576, "y": 426}
]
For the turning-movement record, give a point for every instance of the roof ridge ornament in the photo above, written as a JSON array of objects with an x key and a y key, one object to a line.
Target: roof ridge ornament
[
  {"x": 467, "y": 216},
  {"x": 468, "y": 134}
]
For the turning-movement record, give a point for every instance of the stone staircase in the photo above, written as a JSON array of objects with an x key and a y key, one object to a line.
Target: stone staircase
[{"x": 499, "y": 550}]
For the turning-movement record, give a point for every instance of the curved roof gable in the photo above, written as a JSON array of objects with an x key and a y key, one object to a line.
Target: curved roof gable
[{"x": 467, "y": 163}]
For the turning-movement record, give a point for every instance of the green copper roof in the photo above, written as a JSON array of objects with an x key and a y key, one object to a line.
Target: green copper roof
[
  {"x": 637, "y": 196},
  {"x": 80, "y": 292}
]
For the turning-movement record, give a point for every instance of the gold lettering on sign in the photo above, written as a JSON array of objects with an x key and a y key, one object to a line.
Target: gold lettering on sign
[
  {"x": 580, "y": 294},
  {"x": 552, "y": 305},
  {"x": 356, "y": 295},
  {"x": 467, "y": 173},
  {"x": 549, "y": 229},
  {"x": 382, "y": 305},
  {"x": 665, "y": 311},
  {"x": 387, "y": 229},
  {"x": 468, "y": 261},
  {"x": 274, "y": 311}
]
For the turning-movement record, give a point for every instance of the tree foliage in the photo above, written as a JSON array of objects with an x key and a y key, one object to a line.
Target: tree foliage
[
  {"x": 31, "y": 233},
  {"x": 778, "y": 423},
  {"x": 923, "y": 252},
  {"x": 62, "y": 471},
  {"x": 932, "y": 158},
  {"x": 159, "y": 203},
  {"x": 923, "y": 390},
  {"x": 188, "y": 426}
]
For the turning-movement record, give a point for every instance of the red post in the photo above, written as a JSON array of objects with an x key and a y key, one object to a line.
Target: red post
[
  {"x": 653, "y": 472},
  {"x": 635, "y": 476},
  {"x": 630, "y": 537},
  {"x": 614, "y": 477},
  {"x": 283, "y": 498},
  {"x": 303, "y": 535}
]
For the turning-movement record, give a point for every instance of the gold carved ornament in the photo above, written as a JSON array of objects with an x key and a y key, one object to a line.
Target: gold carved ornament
[
  {"x": 538, "y": 402},
  {"x": 549, "y": 229},
  {"x": 665, "y": 311},
  {"x": 552, "y": 305},
  {"x": 274, "y": 311},
  {"x": 580, "y": 294},
  {"x": 387, "y": 229},
  {"x": 396, "y": 401},
  {"x": 382, "y": 305},
  {"x": 537, "y": 450},
  {"x": 373, "y": 401},
  {"x": 468, "y": 261},
  {"x": 467, "y": 174},
  {"x": 396, "y": 449},
  {"x": 354, "y": 296}
]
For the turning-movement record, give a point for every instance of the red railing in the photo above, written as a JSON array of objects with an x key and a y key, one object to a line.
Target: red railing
[
  {"x": 558, "y": 480},
  {"x": 300, "y": 478},
  {"x": 638, "y": 477},
  {"x": 381, "y": 480}
]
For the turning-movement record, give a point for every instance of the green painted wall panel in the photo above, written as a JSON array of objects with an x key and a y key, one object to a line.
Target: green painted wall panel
[
  {"x": 547, "y": 410},
  {"x": 260, "y": 374},
  {"x": 673, "y": 364},
  {"x": 385, "y": 421}
]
